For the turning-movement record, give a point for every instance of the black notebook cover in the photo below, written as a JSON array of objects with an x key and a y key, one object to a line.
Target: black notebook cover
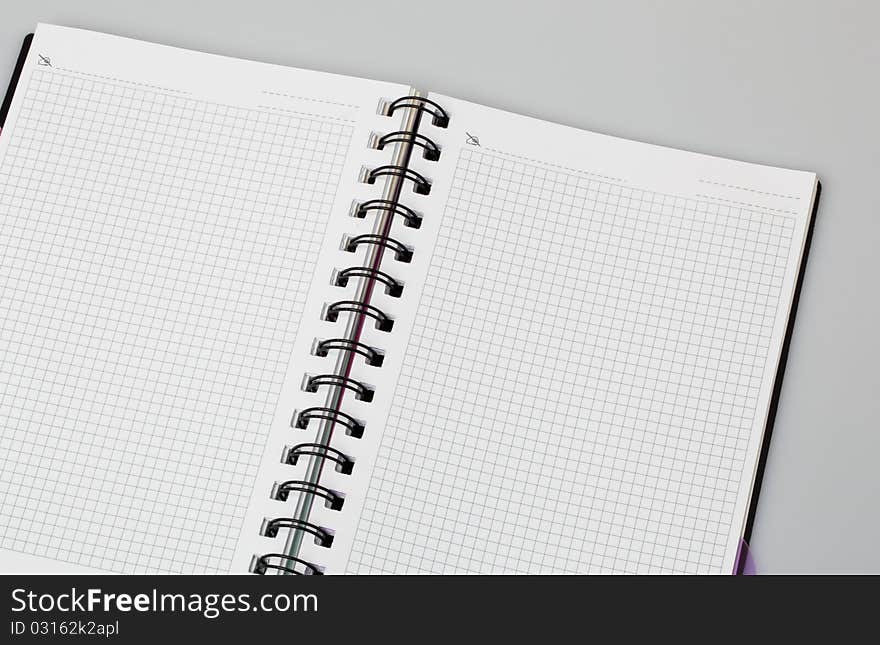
[
  {"x": 780, "y": 372},
  {"x": 13, "y": 82}
]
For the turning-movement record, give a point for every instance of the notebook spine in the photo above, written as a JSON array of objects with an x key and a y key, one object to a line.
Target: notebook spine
[{"x": 360, "y": 311}]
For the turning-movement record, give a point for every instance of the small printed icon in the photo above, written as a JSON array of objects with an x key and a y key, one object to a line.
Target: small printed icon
[
  {"x": 472, "y": 140},
  {"x": 44, "y": 61}
]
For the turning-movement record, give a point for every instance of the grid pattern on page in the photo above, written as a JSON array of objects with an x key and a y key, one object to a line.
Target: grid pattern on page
[
  {"x": 157, "y": 250},
  {"x": 581, "y": 382}
]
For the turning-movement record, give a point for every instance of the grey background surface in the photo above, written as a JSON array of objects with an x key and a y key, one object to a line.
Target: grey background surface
[{"x": 792, "y": 84}]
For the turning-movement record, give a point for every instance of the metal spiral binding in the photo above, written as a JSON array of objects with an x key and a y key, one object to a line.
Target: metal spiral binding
[
  {"x": 349, "y": 345},
  {"x": 431, "y": 151},
  {"x": 421, "y": 185},
  {"x": 392, "y": 287},
  {"x": 402, "y": 253},
  {"x": 343, "y": 463},
  {"x": 285, "y": 564},
  {"x": 371, "y": 354},
  {"x": 410, "y": 218},
  {"x": 352, "y": 426},
  {"x": 333, "y": 500},
  {"x": 420, "y": 104}
]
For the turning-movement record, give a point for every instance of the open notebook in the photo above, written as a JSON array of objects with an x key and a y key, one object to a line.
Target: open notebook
[{"x": 260, "y": 319}]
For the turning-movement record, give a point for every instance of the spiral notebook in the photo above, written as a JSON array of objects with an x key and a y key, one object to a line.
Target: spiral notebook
[{"x": 260, "y": 319}]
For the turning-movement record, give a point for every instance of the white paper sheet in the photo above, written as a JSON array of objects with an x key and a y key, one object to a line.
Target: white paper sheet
[
  {"x": 162, "y": 214},
  {"x": 587, "y": 382}
]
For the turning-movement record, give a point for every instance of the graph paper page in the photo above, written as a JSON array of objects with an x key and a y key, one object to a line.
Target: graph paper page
[
  {"x": 589, "y": 373},
  {"x": 162, "y": 214}
]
